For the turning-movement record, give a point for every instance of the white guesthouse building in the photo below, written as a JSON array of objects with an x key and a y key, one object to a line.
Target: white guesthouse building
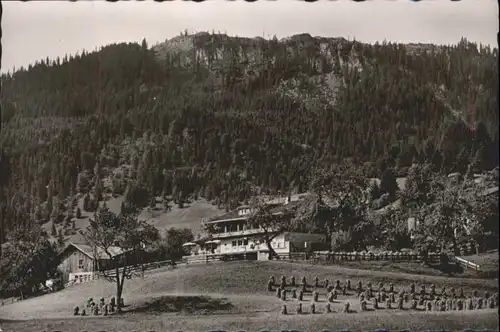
[{"x": 231, "y": 236}]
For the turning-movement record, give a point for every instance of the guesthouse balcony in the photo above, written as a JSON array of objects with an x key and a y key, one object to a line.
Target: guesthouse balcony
[{"x": 238, "y": 233}]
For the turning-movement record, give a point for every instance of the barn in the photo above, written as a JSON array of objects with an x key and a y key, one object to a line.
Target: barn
[{"x": 80, "y": 263}]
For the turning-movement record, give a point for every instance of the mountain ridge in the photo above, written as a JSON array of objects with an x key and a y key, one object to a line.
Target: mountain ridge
[{"x": 215, "y": 116}]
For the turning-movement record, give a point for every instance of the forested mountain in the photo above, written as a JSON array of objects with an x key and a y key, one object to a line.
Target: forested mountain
[{"x": 221, "y": 117}]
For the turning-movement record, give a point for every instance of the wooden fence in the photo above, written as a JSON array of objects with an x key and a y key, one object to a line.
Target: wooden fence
[
  {"x": 467, "y": 264},
  {"x": 316, "y": 257},
  {"x": 340, "y": 257},
  {"x": 327, "y": 257},
  {"x": 470, "y": 265},
  {"x": 136, "y": 268},
  {"x": 200, "y": 259}
]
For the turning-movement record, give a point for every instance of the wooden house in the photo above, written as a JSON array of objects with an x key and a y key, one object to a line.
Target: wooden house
[{"x": 80, "y": 263}]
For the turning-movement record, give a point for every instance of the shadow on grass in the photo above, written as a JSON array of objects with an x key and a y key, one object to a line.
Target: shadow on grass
[{"x": 184, "y": 304}]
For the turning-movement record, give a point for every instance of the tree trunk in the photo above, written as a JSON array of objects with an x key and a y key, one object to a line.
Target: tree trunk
[
  {"x": 119, "y": 289},
  {"x": 456, "y": 249},
  {"x": 272, "y": 252}
]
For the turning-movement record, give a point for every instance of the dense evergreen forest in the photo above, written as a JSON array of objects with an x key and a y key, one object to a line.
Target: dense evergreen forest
[{"x": 222, "y": 118}]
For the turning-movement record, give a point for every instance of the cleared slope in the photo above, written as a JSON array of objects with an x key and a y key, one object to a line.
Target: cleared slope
[
  {"x": 242, "y": 283},
  {"x": 188, "y": 217}
]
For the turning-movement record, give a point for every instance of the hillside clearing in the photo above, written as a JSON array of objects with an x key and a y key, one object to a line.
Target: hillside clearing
[
  {"x": 188, "y": 217},
  {"x": 242, "y": 283}
]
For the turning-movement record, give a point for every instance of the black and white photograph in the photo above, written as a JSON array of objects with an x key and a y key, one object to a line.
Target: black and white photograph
[{"x": 249, "y": 166}]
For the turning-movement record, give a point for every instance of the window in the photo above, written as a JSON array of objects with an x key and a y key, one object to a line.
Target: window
[
  {"x": 245, "y": 242},
  {"x": 234, "y": 244},
  {"x": 240, "y": 242},
  {"x": 80, "y": 263}
]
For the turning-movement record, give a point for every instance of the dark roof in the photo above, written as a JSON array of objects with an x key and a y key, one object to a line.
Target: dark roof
[
  {"x": 87, "y": 250},
  {"x": 234, "y": 214},
  {"x": 229, "y": 215}
]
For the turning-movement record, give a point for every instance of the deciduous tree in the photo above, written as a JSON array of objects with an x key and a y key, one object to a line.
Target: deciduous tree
[{"x": 109, "y": 233}]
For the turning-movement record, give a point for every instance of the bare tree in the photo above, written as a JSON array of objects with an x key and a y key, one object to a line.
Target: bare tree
[{"x": 119, "y": 240}]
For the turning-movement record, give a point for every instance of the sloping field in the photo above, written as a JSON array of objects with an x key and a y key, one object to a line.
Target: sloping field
[
  {"x": 370, "y": 321},
  {"x": 241, "y": 284},
  {"x": 188, "y": 217},
  {"x": 413, "y": 268}
]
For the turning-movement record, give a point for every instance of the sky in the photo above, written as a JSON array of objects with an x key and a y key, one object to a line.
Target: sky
[{"x": 36, "y": 30}]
